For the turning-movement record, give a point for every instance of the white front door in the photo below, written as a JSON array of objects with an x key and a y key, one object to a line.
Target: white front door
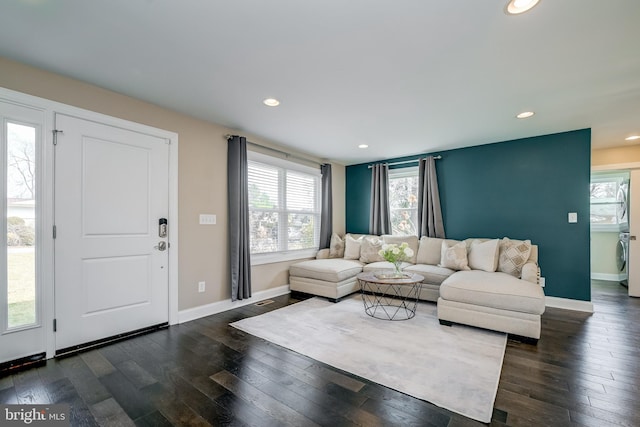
[
  {"x": 21, "y": 320},
  {"x": 111, "y": 261}
]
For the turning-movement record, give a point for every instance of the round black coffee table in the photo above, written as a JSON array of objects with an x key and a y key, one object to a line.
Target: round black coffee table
[{"x": 389, "y": 298}]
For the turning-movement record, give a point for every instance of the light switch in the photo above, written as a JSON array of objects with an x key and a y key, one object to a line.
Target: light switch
[
  {"x": 573, "y": 217},
  {"x": 207, "y": 219}
]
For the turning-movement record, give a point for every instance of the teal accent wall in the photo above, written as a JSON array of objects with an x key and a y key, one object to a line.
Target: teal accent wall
[{"x": 521, "y": 189}]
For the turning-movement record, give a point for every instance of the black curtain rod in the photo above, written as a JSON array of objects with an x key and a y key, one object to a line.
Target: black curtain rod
[
  {"x": 282, "y": 153},
  {"x": 404, "y": 161}
]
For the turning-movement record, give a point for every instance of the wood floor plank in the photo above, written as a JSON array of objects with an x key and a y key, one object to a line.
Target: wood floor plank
[
  {"x": 154, "y": 419},
  {"x": 109, "y": 412},
  {"x": 266, "y": 403},
  {"x": 8, "y": 396},
  {"x": 127, "y": 395},
  {"x": 246, "y": 412},
  {"x": 98, "y": 364}
]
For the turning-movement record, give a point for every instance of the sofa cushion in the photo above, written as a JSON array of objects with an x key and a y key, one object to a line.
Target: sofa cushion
[
  {"x": 433, "y": 274},
  {"x": 412, "y": 241},
  {"x": 330, "y": 270},
  {"x": 369, "y": 248},
  {"x": 454, "y": 256},
  {"x": 513, "y": 255},
  {"x": 336, "y": 246},
  {"x": 496, "y": 290},
  {"x": 352, "y": 247},
  {"x": 483, "y": 255}
]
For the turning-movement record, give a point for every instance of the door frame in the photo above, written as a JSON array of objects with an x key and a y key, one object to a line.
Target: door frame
[
  {"x": 46, "y": 209},
  {"x": 620, "y": 166}
]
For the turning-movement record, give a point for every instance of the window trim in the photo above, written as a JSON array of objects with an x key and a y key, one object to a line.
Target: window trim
[
  {"x": 296, "y": 254},
  {"x": 398, "y": 173}
]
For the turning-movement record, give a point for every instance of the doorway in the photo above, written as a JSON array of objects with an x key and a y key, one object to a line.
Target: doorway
[
  {"x": 615, "y": 223},
  {"x": 28, "y": 325}
]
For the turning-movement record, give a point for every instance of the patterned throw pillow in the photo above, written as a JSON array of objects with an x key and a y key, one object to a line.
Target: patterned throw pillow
[
  {"x": 336, "y": 246},
  {"x": 455, "y": 256},
  {"x": 513, "y": 255},
  {"x": 369, "y": 249}
]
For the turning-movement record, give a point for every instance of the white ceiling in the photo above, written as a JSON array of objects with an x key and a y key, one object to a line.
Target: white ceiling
[{"x": 404, "y": 76}]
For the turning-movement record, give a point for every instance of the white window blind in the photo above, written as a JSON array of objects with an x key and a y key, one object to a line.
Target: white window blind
[{"x": 284, "y": 205}]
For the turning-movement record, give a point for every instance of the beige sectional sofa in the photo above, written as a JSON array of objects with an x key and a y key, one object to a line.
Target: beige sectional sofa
[{"x": 488, "y": 283}]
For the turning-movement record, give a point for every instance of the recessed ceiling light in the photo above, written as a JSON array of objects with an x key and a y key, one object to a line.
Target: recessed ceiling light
[
  {"x": 525, "y": 115},
  {"x": 632, "y": 138},
  {"x": 516, "y": 7},
  {"x": 363, "y": 146},
  {"x": 271, "y": 102}
]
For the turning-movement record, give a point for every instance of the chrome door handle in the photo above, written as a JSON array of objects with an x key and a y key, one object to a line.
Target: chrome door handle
[{"x": 162, "y": 246}]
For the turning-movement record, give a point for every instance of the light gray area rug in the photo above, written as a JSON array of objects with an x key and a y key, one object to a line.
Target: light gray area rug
[{"x": 457, "y": 368}]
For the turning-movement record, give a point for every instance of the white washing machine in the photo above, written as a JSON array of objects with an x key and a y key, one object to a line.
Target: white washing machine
[
  {"x": 622, "y": 205},
  {"x": 622, "y": 257}
]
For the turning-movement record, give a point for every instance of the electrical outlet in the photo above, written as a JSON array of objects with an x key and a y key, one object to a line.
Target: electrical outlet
[
  {"x": 200, "y": 286},
  {"x": 542, "y": 282}
]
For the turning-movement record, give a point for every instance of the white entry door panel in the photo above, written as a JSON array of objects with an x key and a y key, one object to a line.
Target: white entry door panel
[{"x": 111, "y": 190}]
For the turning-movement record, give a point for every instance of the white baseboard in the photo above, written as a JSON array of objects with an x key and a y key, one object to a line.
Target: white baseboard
[
  {"x": 220, "y": 306},
  {"x": 569, "y": 304},
  {"x": 608, "y": 277}
]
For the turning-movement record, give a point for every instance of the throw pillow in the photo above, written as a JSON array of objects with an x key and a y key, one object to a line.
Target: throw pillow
[
  {"x": 429, "y": 250},
  {"x": 455, "y": 256},
  {"x": 513, "y": 255},
  {"x": 336, "y": 246},
  {"x": 483, "y": 255},
  {"x": 412, "y": 241},
  {"x": 369, "y": 248},
  {"x": 352, "y": 247}
]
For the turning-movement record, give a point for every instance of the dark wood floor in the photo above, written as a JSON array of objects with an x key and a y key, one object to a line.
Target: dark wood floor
[{"x": 584, "y": 371}]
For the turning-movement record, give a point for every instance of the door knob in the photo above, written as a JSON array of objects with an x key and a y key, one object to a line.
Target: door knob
[
  {"x": 632, "y": 237},
  {"x": 162, "y": 246}
]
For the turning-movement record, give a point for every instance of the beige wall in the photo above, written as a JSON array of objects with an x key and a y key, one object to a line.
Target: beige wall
[
  {"x": 201, "y": 173},
  {"x": 615, "y": 156}
]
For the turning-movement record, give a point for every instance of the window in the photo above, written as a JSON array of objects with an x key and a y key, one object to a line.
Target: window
[
  {"x": 403, "y": 200},
  {"x": 284, "y": 205},
  {"x": 608, "y": 198},
  {"x": 20, "y": 189}
]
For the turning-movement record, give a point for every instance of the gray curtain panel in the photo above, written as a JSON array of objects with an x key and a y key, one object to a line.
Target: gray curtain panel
[
  {"x": 238, "y": 193},
  {"x": 430, "y": 221},
  {"x": 380, "y": 219},
  {"x": 326, "y": 213}
]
